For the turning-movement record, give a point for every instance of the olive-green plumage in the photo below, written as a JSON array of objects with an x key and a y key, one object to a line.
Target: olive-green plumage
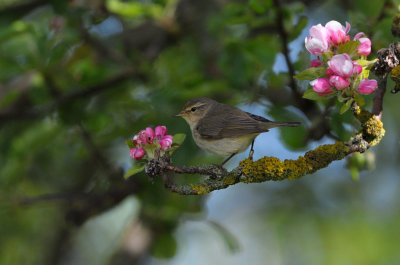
[{"x": 223, "y": 129}]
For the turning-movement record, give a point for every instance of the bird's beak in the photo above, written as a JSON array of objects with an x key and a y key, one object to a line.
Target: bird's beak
[{"x": 180, "y": 114}]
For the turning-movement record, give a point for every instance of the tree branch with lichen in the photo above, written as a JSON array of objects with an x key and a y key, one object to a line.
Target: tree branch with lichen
[{"x": 271, "y": 168}]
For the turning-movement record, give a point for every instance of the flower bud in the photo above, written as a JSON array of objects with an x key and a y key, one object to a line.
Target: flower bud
[
  {"x": 339, "y": 82},
  {"x": 317, "y": 42},
  {"x": 367, "y": 86},
  {"x": 137, "y": 153},
  {"x": 160, "y": 131},
  {"x": 321, "y": 86},
  {"x": 341, "y": 65},
  {"x": 337, "y": 34},
  {"x": 357, "y": 69},
  {"x": 166, "y": 142},
  {"x": 315, "y": 63}
]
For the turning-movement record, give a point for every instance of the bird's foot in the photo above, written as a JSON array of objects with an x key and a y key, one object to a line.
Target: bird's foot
[{"x": 251, "y": 153}]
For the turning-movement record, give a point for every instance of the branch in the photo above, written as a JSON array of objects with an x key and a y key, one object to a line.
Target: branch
[
  {"x": 379, "y": 94},
  {"x": 270, "y": 168},
  {"x": 284, "y": 38},
  {"x": 39, "y": 111},
  {"x": 82, "y": 205}
]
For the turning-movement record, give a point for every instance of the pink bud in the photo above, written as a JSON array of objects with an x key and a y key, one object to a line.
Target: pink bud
[
  {"x": 357, "y": 69},
  {"x": 317, "y": 42},
  {"x": 321, "y": 86},
  {"x": 337, "y": 34},
  {"x": 137, "y": 153},
  {"x": 166, "y": 142},
  {"x": 329, "y": 72},
  {"x": 367, "y": 86},
  {"x": 145, "y": 136},
  {"x": 141, "y": 138},
  {"x": 339, "y": 82},
  {"x": 150, "y": 134},
  {"x": 365, "y": 46},
  {"x": 160, "y": 131},
  {"x": 315, "y": 63},
  {"x": 341, "y": 65}
]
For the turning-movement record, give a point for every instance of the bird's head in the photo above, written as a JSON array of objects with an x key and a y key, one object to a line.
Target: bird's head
[{"x": 195, "y": 109}]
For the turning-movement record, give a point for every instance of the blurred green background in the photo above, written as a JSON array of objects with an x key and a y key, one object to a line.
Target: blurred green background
[{"x": 78, "y": 77}]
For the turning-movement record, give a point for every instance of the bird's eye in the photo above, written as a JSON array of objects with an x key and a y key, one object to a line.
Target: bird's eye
[{"x": 193, "y": 109}]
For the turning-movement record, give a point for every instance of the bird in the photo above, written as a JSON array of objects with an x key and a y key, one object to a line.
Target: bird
[{"x": 223, "y": 129}]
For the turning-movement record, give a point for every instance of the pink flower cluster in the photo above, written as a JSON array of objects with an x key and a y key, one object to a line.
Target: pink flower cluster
[
  {"x": 342, "y": 71},
  {"x": 157, "y": 138}
]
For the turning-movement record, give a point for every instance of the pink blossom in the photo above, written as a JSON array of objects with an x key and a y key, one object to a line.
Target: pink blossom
[
  {"x": 367, "y": 86},
  {"x": 166, "y": 142},
  {"x": 137, "y": 153},
  {"x": 160, "y": 131},
  {"x": 321, "y": 86},
  {"x": 315, "y": 63},
  {"x": 317, "y": 42},
  {"x": 341, "y": 65},
  {"x": 337, "y": 33},
  {"x": 339, "y": 82}
]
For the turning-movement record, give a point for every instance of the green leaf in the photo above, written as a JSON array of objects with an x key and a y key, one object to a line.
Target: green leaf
[
  {"x": 326, "y": 56},
  {"x": 177, "y": 141},
  {"x": 260, "y": 6},
  {"x": 349, "y": 47},
  {"x": 346, "y": 106},
  {"x": 311, "y": 95},
  {"x": 179, "y": 138},
  {"x": 136, "y": 168},
  {"x": 129, "y": 143},
  {"x": 311, "y": 73}
]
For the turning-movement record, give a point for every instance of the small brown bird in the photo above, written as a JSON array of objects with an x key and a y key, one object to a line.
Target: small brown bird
[{"x": 225, "y": 130}]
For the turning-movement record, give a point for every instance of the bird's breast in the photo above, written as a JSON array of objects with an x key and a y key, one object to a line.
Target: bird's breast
[{"x": 224, "y": 146}]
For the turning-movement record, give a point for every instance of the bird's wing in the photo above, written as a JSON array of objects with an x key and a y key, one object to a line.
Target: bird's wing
[{"x": 216, "y": 125}]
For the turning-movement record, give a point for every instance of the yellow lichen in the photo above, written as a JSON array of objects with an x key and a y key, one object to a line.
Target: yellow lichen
[
  {"x": 229, "y": 180},
  {"x": 373, "y": 130},
  {"x": 271, "y": 168},
  {"x": 200, "y": 189}
]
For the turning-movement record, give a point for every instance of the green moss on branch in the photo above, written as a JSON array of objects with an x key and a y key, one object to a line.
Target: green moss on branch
[{"x": 271, "y": 168}]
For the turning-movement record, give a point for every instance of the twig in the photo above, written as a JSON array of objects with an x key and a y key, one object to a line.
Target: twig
[
  {"x": 379, "y": 94},
  {"x": 39, "y": 111},
  {"x": 284, "y": 38}
]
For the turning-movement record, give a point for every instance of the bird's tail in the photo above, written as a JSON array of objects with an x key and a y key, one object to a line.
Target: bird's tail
[{"x": 274, "y": 124}]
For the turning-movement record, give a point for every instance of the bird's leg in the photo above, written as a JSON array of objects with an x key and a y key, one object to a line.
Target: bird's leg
[
  {"x": 251, "y": 153},
  {"x": 226, "y": 160}
]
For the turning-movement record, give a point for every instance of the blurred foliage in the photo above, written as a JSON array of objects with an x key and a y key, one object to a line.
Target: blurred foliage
[{"x": 79, "y": 77}]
